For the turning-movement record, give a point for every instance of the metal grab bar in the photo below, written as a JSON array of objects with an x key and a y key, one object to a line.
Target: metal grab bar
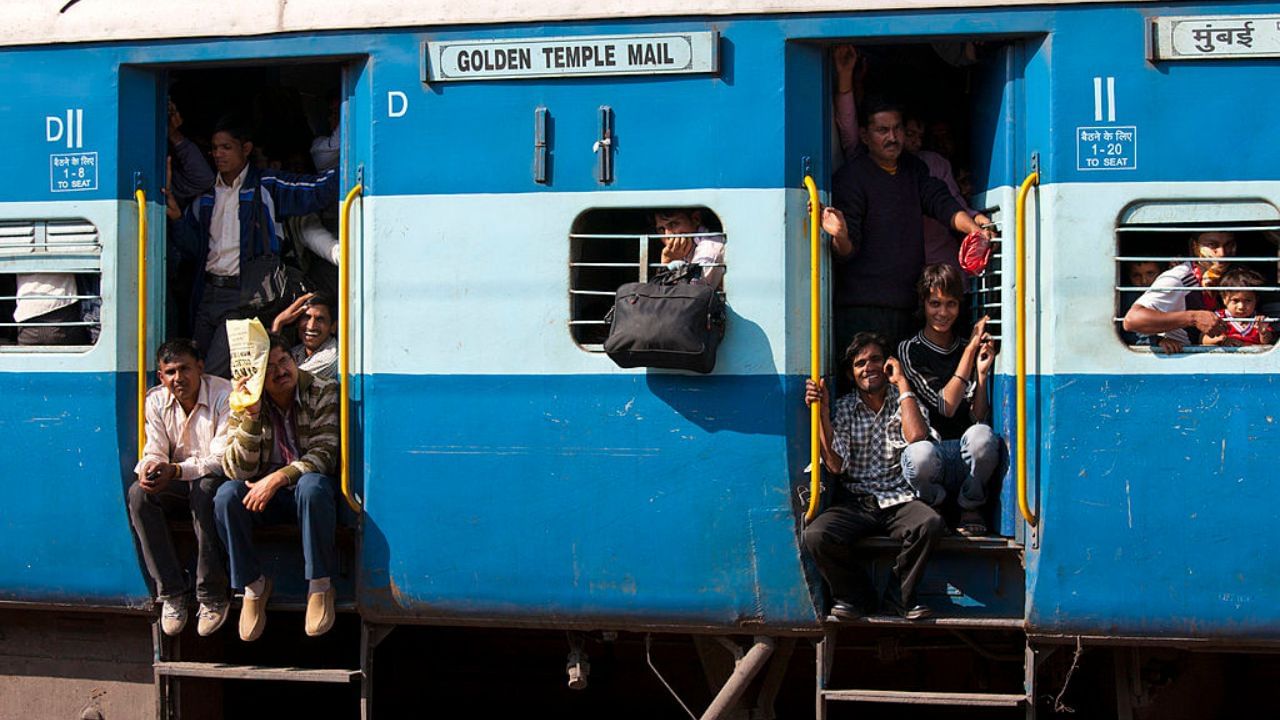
[
  {"x": 344, "y": 350},
  {"x": 141, "y": 197},
  {"x": 1020, "y": 302},
  {"x": 815, "y": 350}
]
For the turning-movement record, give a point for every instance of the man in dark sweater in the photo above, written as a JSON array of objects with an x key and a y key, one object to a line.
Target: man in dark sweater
[{"x": 877, "y": 229}]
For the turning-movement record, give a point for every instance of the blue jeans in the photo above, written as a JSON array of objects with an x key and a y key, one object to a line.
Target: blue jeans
[
  {"x": 312, "y": 503},
  {"x": 968, "y": 465},
  {"x": 922, "y": 469}
]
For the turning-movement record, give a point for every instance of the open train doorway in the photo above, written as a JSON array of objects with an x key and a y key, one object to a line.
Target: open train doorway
[
  {"x": 927, "y": 148},
  {"x": 286, "y": 121}
]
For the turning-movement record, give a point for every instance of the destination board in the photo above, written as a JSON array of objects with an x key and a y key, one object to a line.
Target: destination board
[
  {"x": 1215, "y": 37},
  {"x": 674, "y": 53}
]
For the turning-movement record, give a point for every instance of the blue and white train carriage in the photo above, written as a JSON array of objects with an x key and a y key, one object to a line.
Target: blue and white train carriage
[{"x": 510, "y": 475}]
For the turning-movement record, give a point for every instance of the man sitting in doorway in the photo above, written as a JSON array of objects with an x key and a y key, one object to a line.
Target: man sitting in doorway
[
  {"x": 178, "y": 473},
  {"x": 952, "y": 378},
  {"x": 877, "y": 440},
  {"x": 706, "y": 250},
  {"x": 228, "y": 226},
  {"x": 877, "y": 228},
  {"x": 317, "y": 348},
  {"x": 281, "y": 456},
  {"x": 1171, "y": 307}
]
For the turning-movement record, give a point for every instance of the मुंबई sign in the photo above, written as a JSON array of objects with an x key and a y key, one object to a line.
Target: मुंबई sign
[
  {"x": 672, "y": 53},
  {"x": 1215, "y": 37}
]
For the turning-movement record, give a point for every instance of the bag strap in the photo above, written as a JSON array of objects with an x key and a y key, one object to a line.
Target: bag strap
[
  {"x": 686, "y": 273},
  {"x": 258, "y": 225}
]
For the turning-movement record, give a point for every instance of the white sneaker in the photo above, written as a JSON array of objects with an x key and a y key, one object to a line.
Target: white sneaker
[
  {"x": 210, "y": 616},
  {"x": 173, "y": 616}
]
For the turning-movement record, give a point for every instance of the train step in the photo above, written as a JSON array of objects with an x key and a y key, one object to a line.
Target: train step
[
  {"x": 958, "y": 622},
  {"x": 951, "y": 543},
  {"x": 903, "y": 697},
  {"x": 225, "y": 671},
  {"x": 956, "y": 661}
]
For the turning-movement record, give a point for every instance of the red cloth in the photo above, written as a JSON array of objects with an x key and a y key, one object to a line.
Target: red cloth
[{"x": 975, "y": 251}]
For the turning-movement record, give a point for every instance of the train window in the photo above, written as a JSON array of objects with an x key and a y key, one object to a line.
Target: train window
[
  {"x": 1152, "y": 244},
  {"x": 984, "y": 288},
  {"x": 609, "y": 247},
  {"x": 50, "y": 284}
]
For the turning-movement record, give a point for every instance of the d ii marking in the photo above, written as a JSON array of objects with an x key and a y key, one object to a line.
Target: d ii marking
[{"x": 72, "y": 128}]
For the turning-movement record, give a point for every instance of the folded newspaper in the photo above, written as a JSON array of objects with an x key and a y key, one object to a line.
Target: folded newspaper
[{"x": 249, "y": 346}]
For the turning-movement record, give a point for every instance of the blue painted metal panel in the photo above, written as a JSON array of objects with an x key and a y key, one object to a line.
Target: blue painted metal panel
[
  {"x": 628, "y": 499},
  {"x": 64, "y": 528},
  {"x": 729, "y": 130},
  {"x": 1159, "y": 508}
]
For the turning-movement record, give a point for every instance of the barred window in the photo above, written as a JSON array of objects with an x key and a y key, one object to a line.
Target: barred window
[
  {"x": 609, "y": 247},
  {"x": 984, "y": 289},
  {"x": 1147, "y": 251},
  {"x": 50, "y": 284}
]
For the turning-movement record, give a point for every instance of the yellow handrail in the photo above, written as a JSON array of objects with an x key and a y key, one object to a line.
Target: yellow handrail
[
  {"x": 815, "y": 349},
  {"x": 344, "y": 340},
  {"x": 141, "y": 197},
  {"x": 1020, "y": 294}
]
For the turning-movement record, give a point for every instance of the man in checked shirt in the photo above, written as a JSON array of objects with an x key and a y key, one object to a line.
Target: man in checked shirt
[{"x": 877, "y": 441}]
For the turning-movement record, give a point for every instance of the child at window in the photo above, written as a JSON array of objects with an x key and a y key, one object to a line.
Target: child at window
[{"x": 1237, "y": 311}]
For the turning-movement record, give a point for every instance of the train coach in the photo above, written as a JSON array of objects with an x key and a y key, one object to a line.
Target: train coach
[{"x": 506, "y": 479}]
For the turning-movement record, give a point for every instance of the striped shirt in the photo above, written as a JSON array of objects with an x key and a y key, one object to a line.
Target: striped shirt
[
  {"x": 929, "y": 368},
  {"x": 870, "y": 445},
  {"x": 316, "y": 420},
  {"x": 1163, "y": 296}
]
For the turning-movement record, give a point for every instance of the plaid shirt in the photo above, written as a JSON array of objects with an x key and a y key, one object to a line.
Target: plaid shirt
[
  {"x": 870, "y": 444},
  {"x": 249, "y": 440}
]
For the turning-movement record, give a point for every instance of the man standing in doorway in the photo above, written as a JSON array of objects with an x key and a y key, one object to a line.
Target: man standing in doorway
[
  {"x": 877, "y": 229},
  {"x": 230, "y": 224}
]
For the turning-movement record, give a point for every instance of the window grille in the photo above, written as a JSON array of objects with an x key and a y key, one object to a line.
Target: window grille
[
  {"x": 65, "y": 254},
  {"x": 607, "y": 249},
  {"x": 984, "y": 290},
  {"x": 1168, "y": 244}
]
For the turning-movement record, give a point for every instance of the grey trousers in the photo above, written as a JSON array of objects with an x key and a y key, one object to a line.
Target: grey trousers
[
  {"x": 217, "y": 305},
  {"x": 74, "y": 335},
  {"x": 150, "y": 516}
]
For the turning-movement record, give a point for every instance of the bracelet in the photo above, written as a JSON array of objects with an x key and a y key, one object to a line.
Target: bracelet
[
  {"x": 905, "y": 395},
  {"x": 960, "y": 378}
]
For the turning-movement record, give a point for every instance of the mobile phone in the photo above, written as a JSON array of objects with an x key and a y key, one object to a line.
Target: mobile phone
[{"x": 155, "y": 474}]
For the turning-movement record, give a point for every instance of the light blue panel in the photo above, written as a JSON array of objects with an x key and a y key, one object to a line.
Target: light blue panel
[
  {"x": 651, "y": 499},
  {"x": 1158, "y": 507},
  {"x": 64, "y": 530}
]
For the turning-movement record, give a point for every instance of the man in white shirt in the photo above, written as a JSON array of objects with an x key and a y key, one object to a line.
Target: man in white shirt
[
  {"x": 179, "y": 471},
  {"x": 685, "y": 238},
  {"x": 46, "y": 299},
  {"x": 1177, "y": 300}
]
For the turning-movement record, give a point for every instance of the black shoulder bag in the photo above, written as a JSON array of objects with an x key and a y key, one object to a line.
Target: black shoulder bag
[
  {"x": 668, "y": 322},
  {"x": 267, "y": 283}
]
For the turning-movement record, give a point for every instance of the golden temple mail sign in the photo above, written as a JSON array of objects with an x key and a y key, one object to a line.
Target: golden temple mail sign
[
  {"x": 674, "y": 53},
  {"x": 1215, "y": 37}
]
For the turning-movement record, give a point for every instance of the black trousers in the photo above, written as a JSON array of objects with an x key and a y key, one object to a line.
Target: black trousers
[
  {"x": 831, "y": 537},
  {"x": 150, "y": 513}
]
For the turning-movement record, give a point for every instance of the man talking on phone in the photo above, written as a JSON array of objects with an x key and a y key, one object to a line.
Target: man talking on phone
[
  {"x": 876, "y": 440},
  {"x": 179, "y": 471}
]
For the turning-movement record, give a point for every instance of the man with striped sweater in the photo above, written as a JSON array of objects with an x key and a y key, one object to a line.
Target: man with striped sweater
[{"x": 281, "y": 455}]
